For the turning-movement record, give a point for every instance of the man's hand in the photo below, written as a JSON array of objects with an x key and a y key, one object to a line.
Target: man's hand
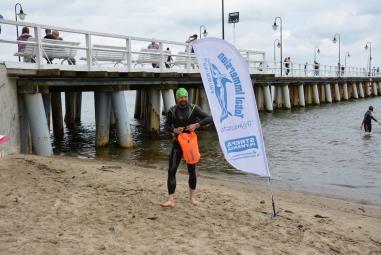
[
  {"x": 178, "y": 130},
  {"x": 193, "y": 127}
]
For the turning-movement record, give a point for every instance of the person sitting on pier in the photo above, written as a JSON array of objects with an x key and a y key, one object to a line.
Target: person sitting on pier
[
  {"x": 367, "y": 121},
  {"x": 21, "y": 46},
  {"x": 182, "y": 118},
  {"x": 48, "y": 34},
  {"x": 154, "y": 46}
]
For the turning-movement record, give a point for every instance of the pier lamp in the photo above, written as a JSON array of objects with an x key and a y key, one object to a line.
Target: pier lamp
[
  {"x": 317, "y": 51},
  {"x": 205, "y": 34},
  {"x": 275, "y": 27},
  {"x": 335, "y": 38},
  {"x": 370, "y": 55},
  {"x": 276, "y": 44},
  {"x": 21, "y": 14},
  {"x": 223, "y": 21}
]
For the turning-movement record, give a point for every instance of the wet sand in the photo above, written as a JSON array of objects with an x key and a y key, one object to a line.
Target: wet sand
[{"x": 64, "y": 205}]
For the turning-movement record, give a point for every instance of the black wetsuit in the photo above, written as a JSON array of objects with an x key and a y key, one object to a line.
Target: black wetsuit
[
  {"x": 182, "y": 116},
  {"x": 368, "y": 121}
]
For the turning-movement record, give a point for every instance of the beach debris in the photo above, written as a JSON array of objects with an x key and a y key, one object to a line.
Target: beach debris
[
  {"x": 112, "y": 229},
  {"x": 362, "y": 209},
  {"x": 108, "y": 168},
  {"x": 152, "y": 218},
  {"x": 334, "y": 249},
  {"x": 320, "y": 217},
  {"x": 262, "y": 202},
  {"x": 288, "y": 211}
]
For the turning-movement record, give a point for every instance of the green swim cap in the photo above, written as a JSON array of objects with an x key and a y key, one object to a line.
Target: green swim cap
[{"x": 181, "y": 92}]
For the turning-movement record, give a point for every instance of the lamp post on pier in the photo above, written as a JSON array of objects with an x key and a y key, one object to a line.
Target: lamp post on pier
[
  {"x": 22, "y": 16},
  {"x": 335, "y": 38},
  {"x": 205, "y": 34},
  {"x": 223, "y": 21},
  {"x": 347, "y": 55},
  {"x": 275, "y": 26},
  {"x": 370, "y": 55},
  {"x": 276, "y": 44}
]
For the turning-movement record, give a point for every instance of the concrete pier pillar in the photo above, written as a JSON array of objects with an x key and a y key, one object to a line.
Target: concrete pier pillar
[
  {"x": 294, "y": 95},
  {"x": 379, "y": 88},
  {"x": 345, "y": 91},
  {"x": 78, "y": 106},
  {"x": 102, "y": 118},
  {"x": 119, "y": 106},
  {"x": 143, "y": 104},
  {"x": 58, "y": 129},
  {"x": 260, "y": 98},
  {"x": 374, "y": 86},
  {"x": 204, "y": 102},
  {"x": 168, "y": 99},
  {"x": 355, "y": 90},
  {"x": 279, "y": 97},
  {"x": 70, "y": 102},
  {"x": 138, "y": 100},
  {"x": 268, "y": 98},
  {"x": 315, "y": 94},
  {"x": 112, "y": 117},
  {"x": 308, "y": 94},
  {"x": 337, "y": 92},
  {"x": 286, "y": 97},
  {"x": 361, "y": 90},
  {"x": 25, "y": 136},
  {"x": 153, "y": 117},
  {"x": 322, "y": 93},
  {"x": 38, "y": 124},
  {"x": 301, "y": 95},
  {"x": 46, "y": 98},
  {"x": 273, "y": 93},
  {"x": 190, "y": 95},
  {"x": 328, "y": 95}
]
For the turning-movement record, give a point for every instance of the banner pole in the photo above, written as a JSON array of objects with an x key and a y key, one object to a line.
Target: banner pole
[{"x": 272, "y": 197}]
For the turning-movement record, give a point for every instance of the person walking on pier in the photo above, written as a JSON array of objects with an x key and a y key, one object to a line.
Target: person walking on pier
[
  {"x": 182, "y": 118},
  {"x": 367, "y": 121}
]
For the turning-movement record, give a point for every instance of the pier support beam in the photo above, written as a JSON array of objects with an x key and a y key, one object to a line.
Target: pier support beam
[
  {"x": 301, "y": 95},
  {"x": 78, "y": 106},
  {"x": 345, "y": 91},
  {"x": 102, "y": 118},
  {"x": 70, "y": 102},
  {"x": 168, "y": 99},
  {"x": 354, "y": 90},
  {"x": 47, "y": 101},
  {"x": 204, "y": 102},
  {"x": 120, "y": 111},
  {"x": 138, "y": 102},
  {"x": 260, "y": 98},
  {"x": 273, "y": 93},
  {"x": 25, "y": 136},
  {"x": 286, "y": 97},
  {"x": 374, "y": 86},
  {"x": 38, "y": 124},
  {"x": 337, "y": 92},
  {"x": 279, "y": 97},
  {"x": 361, "y": 90},
  {"x": 58, "y": 129},
  {"x": 328, "y": 95},
  {"x": 153, "y": 118},
  {"x": 308, "y": 94},
  {"x": 315, "y": 94},
  {"x": 268, "y": 98}
]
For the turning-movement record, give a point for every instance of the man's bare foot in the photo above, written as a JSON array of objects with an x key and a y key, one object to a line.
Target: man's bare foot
[
  {"x": 194, "y": 201},
  {"x": 192, "y": 197},
  {"x": 169, "y": 203}
]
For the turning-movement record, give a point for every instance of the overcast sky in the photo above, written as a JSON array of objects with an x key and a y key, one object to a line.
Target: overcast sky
[{"x": 306, "y": 24}]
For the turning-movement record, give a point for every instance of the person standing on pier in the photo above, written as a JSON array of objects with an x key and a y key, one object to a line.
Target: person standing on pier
[
  {"x": 367, "y": 121},
  {"x": 182, "y": 118},
  {"x": 154, "y": 46}
]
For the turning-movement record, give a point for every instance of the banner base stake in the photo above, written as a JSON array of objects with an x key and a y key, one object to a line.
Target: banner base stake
[{"x": 272, "y": 197}]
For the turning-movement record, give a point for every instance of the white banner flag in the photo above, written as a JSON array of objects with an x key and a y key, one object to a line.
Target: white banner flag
[{"x": 232, "y": 102}]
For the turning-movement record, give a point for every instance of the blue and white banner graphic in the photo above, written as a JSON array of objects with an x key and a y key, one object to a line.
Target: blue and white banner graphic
[{"x": 232, "y": 102}]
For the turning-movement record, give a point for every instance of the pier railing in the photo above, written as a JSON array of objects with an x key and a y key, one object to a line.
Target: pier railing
[{"x": 93, "y": 51}]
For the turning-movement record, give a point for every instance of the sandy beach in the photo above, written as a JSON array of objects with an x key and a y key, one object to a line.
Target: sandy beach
[{"x": 75, "y": 206}]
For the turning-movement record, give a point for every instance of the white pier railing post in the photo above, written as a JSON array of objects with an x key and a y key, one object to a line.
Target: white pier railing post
[
  {"x": 129, "y": 54},
  {"x": 39, "y": 58},
  {"x": 162, "y": 65},
  {"x": 89, "y": 57}
]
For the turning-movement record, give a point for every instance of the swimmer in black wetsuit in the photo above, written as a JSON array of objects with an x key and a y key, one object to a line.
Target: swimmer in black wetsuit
[
  {"x": 182, "y": 117},
  {"x": 367, "y": 121}
]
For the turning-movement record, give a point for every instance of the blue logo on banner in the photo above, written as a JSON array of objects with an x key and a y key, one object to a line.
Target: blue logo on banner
[{"x": 241, "y": 144}]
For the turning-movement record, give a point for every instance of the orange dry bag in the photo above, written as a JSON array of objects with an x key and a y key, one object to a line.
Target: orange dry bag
[{"x": 189, "y": 145}]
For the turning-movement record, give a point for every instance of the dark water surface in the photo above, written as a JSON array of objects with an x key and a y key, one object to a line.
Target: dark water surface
[{"x": 316, "y": 149}]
